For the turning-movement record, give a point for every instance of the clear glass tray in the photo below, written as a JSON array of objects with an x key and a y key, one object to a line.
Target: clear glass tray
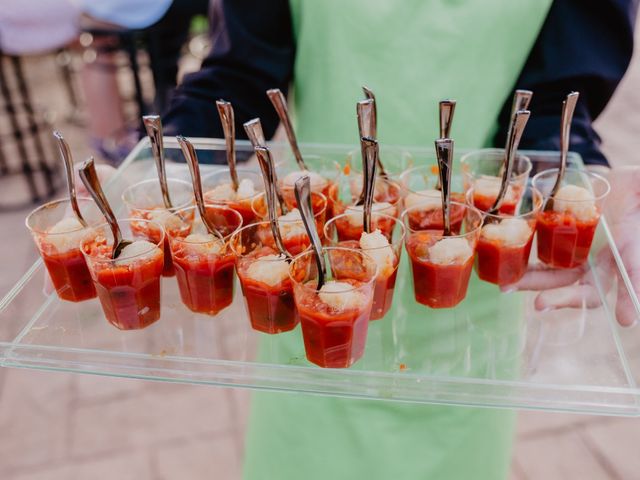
[{"x": 493, "y": 350}]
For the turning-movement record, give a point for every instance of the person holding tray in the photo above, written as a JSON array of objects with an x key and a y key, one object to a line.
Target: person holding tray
[{"x": 412, "y": 54}]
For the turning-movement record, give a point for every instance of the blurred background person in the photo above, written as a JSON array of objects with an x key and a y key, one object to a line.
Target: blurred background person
[{"x": 167, "y": 23}]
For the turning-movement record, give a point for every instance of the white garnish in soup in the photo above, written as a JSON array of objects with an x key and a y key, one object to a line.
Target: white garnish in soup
[{"x": 450, "y": 250}]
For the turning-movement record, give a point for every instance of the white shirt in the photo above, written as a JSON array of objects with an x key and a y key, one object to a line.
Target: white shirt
[{"x": 126, "y": 13}]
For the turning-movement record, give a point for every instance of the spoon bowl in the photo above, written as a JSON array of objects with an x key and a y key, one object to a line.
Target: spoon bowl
[{"x": 89, "y": 178}]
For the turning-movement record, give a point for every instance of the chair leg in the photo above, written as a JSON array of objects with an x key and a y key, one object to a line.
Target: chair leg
[
  {"x": 33, "y": 127},
  {"x": 63, "y": 60},
  {"x": 130, "y": 47},
  {"x": 9, "y": 107}
]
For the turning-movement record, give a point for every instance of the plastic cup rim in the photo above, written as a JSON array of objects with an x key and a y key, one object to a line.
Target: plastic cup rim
[
  {"x": 159, "y": 244},
  {"x": 595, "y": 175},
  {"x": 161, "y": 205},
  {"x": 502, "y": 216},
  {"x": 322, "y": 210},
  {"x": 360, "y": 252},
  {"x": 225, "y": 239},
  {"x": 396, "y": 220},
  {"x": 476, "y": 210},
  {"x": 497, "y": 151},
  {"x": 50, "y": 203}
]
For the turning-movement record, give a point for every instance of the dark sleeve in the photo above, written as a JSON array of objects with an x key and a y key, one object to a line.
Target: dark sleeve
[
  {"x": 253, "y": 50},
  {"x": 586, "y": 46}
]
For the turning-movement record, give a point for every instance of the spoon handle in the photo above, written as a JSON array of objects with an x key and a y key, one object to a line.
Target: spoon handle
[
  {"x": 269, "y": 173},
  {"x": 370, "y": 147},
  {"x": 444, "y": 154},
  {"x": 446, "y": 108},
  {"x": 521, "y": 100},
  {"x": 256, "y": 137},
  {"x": 67, "y": 159},
  {"x": 90, "y": 179},
  {"x": 153, "y": 126},
  {"x": 191, "y": 158},
  {"x": 367, "y": 112},
  {"x": 303, "y": 196},
  {"x": 369, "y": 95},
  {"x": 516, "y": 129},
  {"x": 280, "y": 104},
  {"x": 254, "y": 131},
  {"x": 568, "y": 108},
  {"x": 227, "y": 118}
]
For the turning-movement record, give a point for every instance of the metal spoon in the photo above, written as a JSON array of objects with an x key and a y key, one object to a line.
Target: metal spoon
[
  {"x": 446, "y": 109},
  {"x": 444, "y": 155},
  {"x": 65, "y": 153},
  {"x": 365, "y": 110},
  {"x": 371, "y": 152},
  {"x": 225, "y": 110},
  {"x": 303, "y": 196},
  {"x": 269, "y": 173},
  {"x": 153, "y": 125},
  {"x": 568, "y": 107},
  {"x": 280, "y": 104},
  {"x": 367, "y": 126},
  {"x": 254, "y": 131},
  {"x": 369, "y": 95},
  {"x": 516, "y": 130},
  {"x": 191, "y": 158},
  {"x": 521, "y": 100},
  {"x": 256, "y": 137},
  {"x": 89, "y": 177}
]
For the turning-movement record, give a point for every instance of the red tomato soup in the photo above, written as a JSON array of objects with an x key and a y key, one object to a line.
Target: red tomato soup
[
  {"x": 432, "y": 219},
  {"x": 436, "y": 285},
  {"x": 501, "y": 263},
  {"x": 349, "y": 230},
  {"x": 129, "y": 292},
  {"x": 384, "y": 286},
  {"x": 509, "y": 204},
  {"x": 271, "y": 306},
  {"x": 332, "y": 338},
  {"x": 564, "y": 241},
  {"x": 205, "y": 275},
  {"x": 140, "y": 229},
  {"x": 69, "y": 273},
  {"x": 330, "y": 191}
]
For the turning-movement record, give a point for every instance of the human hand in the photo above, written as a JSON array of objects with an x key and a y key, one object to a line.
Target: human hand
[{"x": 577, "y": 288}]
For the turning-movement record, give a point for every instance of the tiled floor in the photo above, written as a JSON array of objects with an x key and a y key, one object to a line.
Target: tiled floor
[{"x": 62, "y": 426}]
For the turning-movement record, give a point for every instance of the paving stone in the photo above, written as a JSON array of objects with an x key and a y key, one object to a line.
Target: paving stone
[
  {"x": 214, "y": 458},
  {"x": 91, "y": 389},
  {"x": 617, "y": 441},
  {"x": 532, "y": 424},
  {"x": 558, "y": 457},
  {"x": 121, "y": 467},
  {"x": 167, "y": 413},
  {"x": 34, "y": 414}
]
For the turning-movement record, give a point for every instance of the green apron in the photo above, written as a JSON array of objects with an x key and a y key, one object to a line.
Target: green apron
[{"x": 412, "y": 53}]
